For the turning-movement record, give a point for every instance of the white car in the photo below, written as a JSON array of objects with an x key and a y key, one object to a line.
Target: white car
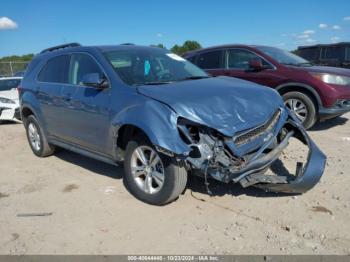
[{"x": 9, "y": 102}]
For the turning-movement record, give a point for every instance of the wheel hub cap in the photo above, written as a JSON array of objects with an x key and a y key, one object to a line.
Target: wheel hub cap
[
  {"x": 147, "y": 169},
  {"x": 34, "y": 137},
  {"x": 298, "y": 108}
]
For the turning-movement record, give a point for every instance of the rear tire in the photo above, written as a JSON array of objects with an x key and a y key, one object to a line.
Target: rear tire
[
  {"x": 37, "y": 139},
  {"x": 302, "y": 106},
  {"x": 173, "y": 181}
]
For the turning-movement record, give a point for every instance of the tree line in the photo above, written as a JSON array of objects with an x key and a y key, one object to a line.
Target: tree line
[{"x": 187, "y": 46}]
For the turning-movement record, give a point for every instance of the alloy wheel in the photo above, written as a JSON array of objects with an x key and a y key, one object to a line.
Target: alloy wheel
[
  {"x": 147, "y": 169},
  {"x": 298, "y": 108},
  {"x": 34, "y": 137}
]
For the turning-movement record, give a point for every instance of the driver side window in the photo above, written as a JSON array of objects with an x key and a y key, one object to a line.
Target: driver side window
[
  {"x": 80, "y": 65},
  {"x": 239, "y": 59}
]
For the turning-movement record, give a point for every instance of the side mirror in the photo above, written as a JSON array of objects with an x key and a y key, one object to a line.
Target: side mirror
[
  {"x": 256, "y": 64},
  {"x": 94, "y": 80}
]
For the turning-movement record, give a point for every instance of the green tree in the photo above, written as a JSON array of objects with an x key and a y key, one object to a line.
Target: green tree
[
  {"x": 188, "y": 45},
  {"x": 176, "y": 49}
]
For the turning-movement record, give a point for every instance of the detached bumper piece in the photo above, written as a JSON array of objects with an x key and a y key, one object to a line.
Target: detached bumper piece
[
  {"x": 304, "y": 179},
  {"x": 246, "y": 157}
]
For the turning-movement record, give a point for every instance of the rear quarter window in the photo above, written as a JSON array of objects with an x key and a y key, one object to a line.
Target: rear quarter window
[
  {"x": 32, "y": 65},
  {"x": 55, "y": 70}
]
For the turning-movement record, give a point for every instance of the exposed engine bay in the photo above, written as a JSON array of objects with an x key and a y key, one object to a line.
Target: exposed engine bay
[{"x": 246, "y": 156}]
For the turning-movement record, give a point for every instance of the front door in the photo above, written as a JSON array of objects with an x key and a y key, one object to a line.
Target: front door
[
  {"x": 87, "y": 108},
  {"x": 237, "y": 65}
]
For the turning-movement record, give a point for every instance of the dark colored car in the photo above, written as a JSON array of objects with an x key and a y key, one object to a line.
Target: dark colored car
[
  {"x": 163, "y": 117},
  {"x": 337, "y": 55},
  {"x": 311, "y": 92}
]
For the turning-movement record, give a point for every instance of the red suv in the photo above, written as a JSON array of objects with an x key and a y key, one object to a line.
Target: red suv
[{"x": 311, "y": 92}]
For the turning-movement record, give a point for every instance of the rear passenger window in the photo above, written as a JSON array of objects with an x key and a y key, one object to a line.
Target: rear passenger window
[
  {"x": 80, "y": 65},
  {"x": 55, "y": 70},
  {"x": 211, "y": 60}
]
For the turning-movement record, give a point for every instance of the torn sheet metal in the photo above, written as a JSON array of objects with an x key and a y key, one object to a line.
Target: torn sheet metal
[{"x": 224, "y": 128}]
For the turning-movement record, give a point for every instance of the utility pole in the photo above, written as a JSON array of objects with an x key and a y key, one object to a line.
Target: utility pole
[{"x": 11, "y": 68}]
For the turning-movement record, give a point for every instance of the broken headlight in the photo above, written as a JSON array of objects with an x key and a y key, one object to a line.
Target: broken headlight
[
  {"x": 6, "y": 101},
  {"x": 208, "y": 145}
]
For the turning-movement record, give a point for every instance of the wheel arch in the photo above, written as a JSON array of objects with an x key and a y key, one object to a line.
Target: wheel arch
[
  {"x": 128, "y": 132},
  {"x": 152, "y": 120},
  {"x": 300, "y": 87},
  {"x": 25, "y": 112},
  {"x": 30, "y": 105}
]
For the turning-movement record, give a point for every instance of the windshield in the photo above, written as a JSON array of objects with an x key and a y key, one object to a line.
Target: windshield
[
  {"x": 283, "y": 56},
  {"x": 152, "y": 66}
]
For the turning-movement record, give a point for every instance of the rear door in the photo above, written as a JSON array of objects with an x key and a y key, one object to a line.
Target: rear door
[
  {"x": 213, "y": 62},
  {"x": 51, "y": 79},
  {"x": 237, "y": 65}
]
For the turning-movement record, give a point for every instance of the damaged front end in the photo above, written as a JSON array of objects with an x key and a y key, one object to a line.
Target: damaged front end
[{"x": 246, "y": 157}]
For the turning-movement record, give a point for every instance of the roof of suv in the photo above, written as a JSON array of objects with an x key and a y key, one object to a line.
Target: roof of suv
[{"x": 103, "y": 48}]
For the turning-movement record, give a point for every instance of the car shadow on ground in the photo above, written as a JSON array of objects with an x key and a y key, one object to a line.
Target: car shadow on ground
[
  {"x": 321, "y": 126},
  {"x": 98, "y": 167},
  {"x": 194, "y": 183},
  {"x": 7, "y": 122}
]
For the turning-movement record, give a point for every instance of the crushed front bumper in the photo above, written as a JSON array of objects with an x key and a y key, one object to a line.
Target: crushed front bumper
[
  {"x": 305, "y": 178},
  {"x": 247, "y": 162},
  {"x": 253, "y": 171}
]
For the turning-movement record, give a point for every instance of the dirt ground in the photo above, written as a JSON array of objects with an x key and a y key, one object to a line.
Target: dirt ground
[{"x": 92, "y": 212}]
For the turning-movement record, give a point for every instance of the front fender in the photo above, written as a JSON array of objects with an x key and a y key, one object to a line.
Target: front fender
[{"x": 157, "y": 121}]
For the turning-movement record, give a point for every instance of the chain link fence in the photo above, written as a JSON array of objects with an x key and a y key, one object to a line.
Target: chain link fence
[{"x": 12, "y": 68}]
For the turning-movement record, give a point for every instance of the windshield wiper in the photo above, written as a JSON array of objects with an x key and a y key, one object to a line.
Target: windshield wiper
[
  {"x": 155, "y": 83},
  {"x": 298, "y": 64},
  {"x": 193, "y": 78},
  {"x": 305, "y": 63}
]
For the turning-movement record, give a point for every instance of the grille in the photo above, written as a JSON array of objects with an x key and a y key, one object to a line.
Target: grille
[{"x": 251, "y": 134}]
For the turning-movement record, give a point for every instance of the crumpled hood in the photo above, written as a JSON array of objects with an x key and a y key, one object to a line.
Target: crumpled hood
[
  {"x": 328, "y": 70},
  {"x": 224, "y": 103}
]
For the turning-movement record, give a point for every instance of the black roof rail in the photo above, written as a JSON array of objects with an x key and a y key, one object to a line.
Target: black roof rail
[
  {"x": 50, "y": 49},
  {"x": 127, "y": 44}
]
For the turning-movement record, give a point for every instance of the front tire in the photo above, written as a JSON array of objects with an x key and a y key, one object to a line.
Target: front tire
[
  {"x": 152, "y": 177},
  {"x": 37, "y": 139},
  {"x": 302, "y": 106}
]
